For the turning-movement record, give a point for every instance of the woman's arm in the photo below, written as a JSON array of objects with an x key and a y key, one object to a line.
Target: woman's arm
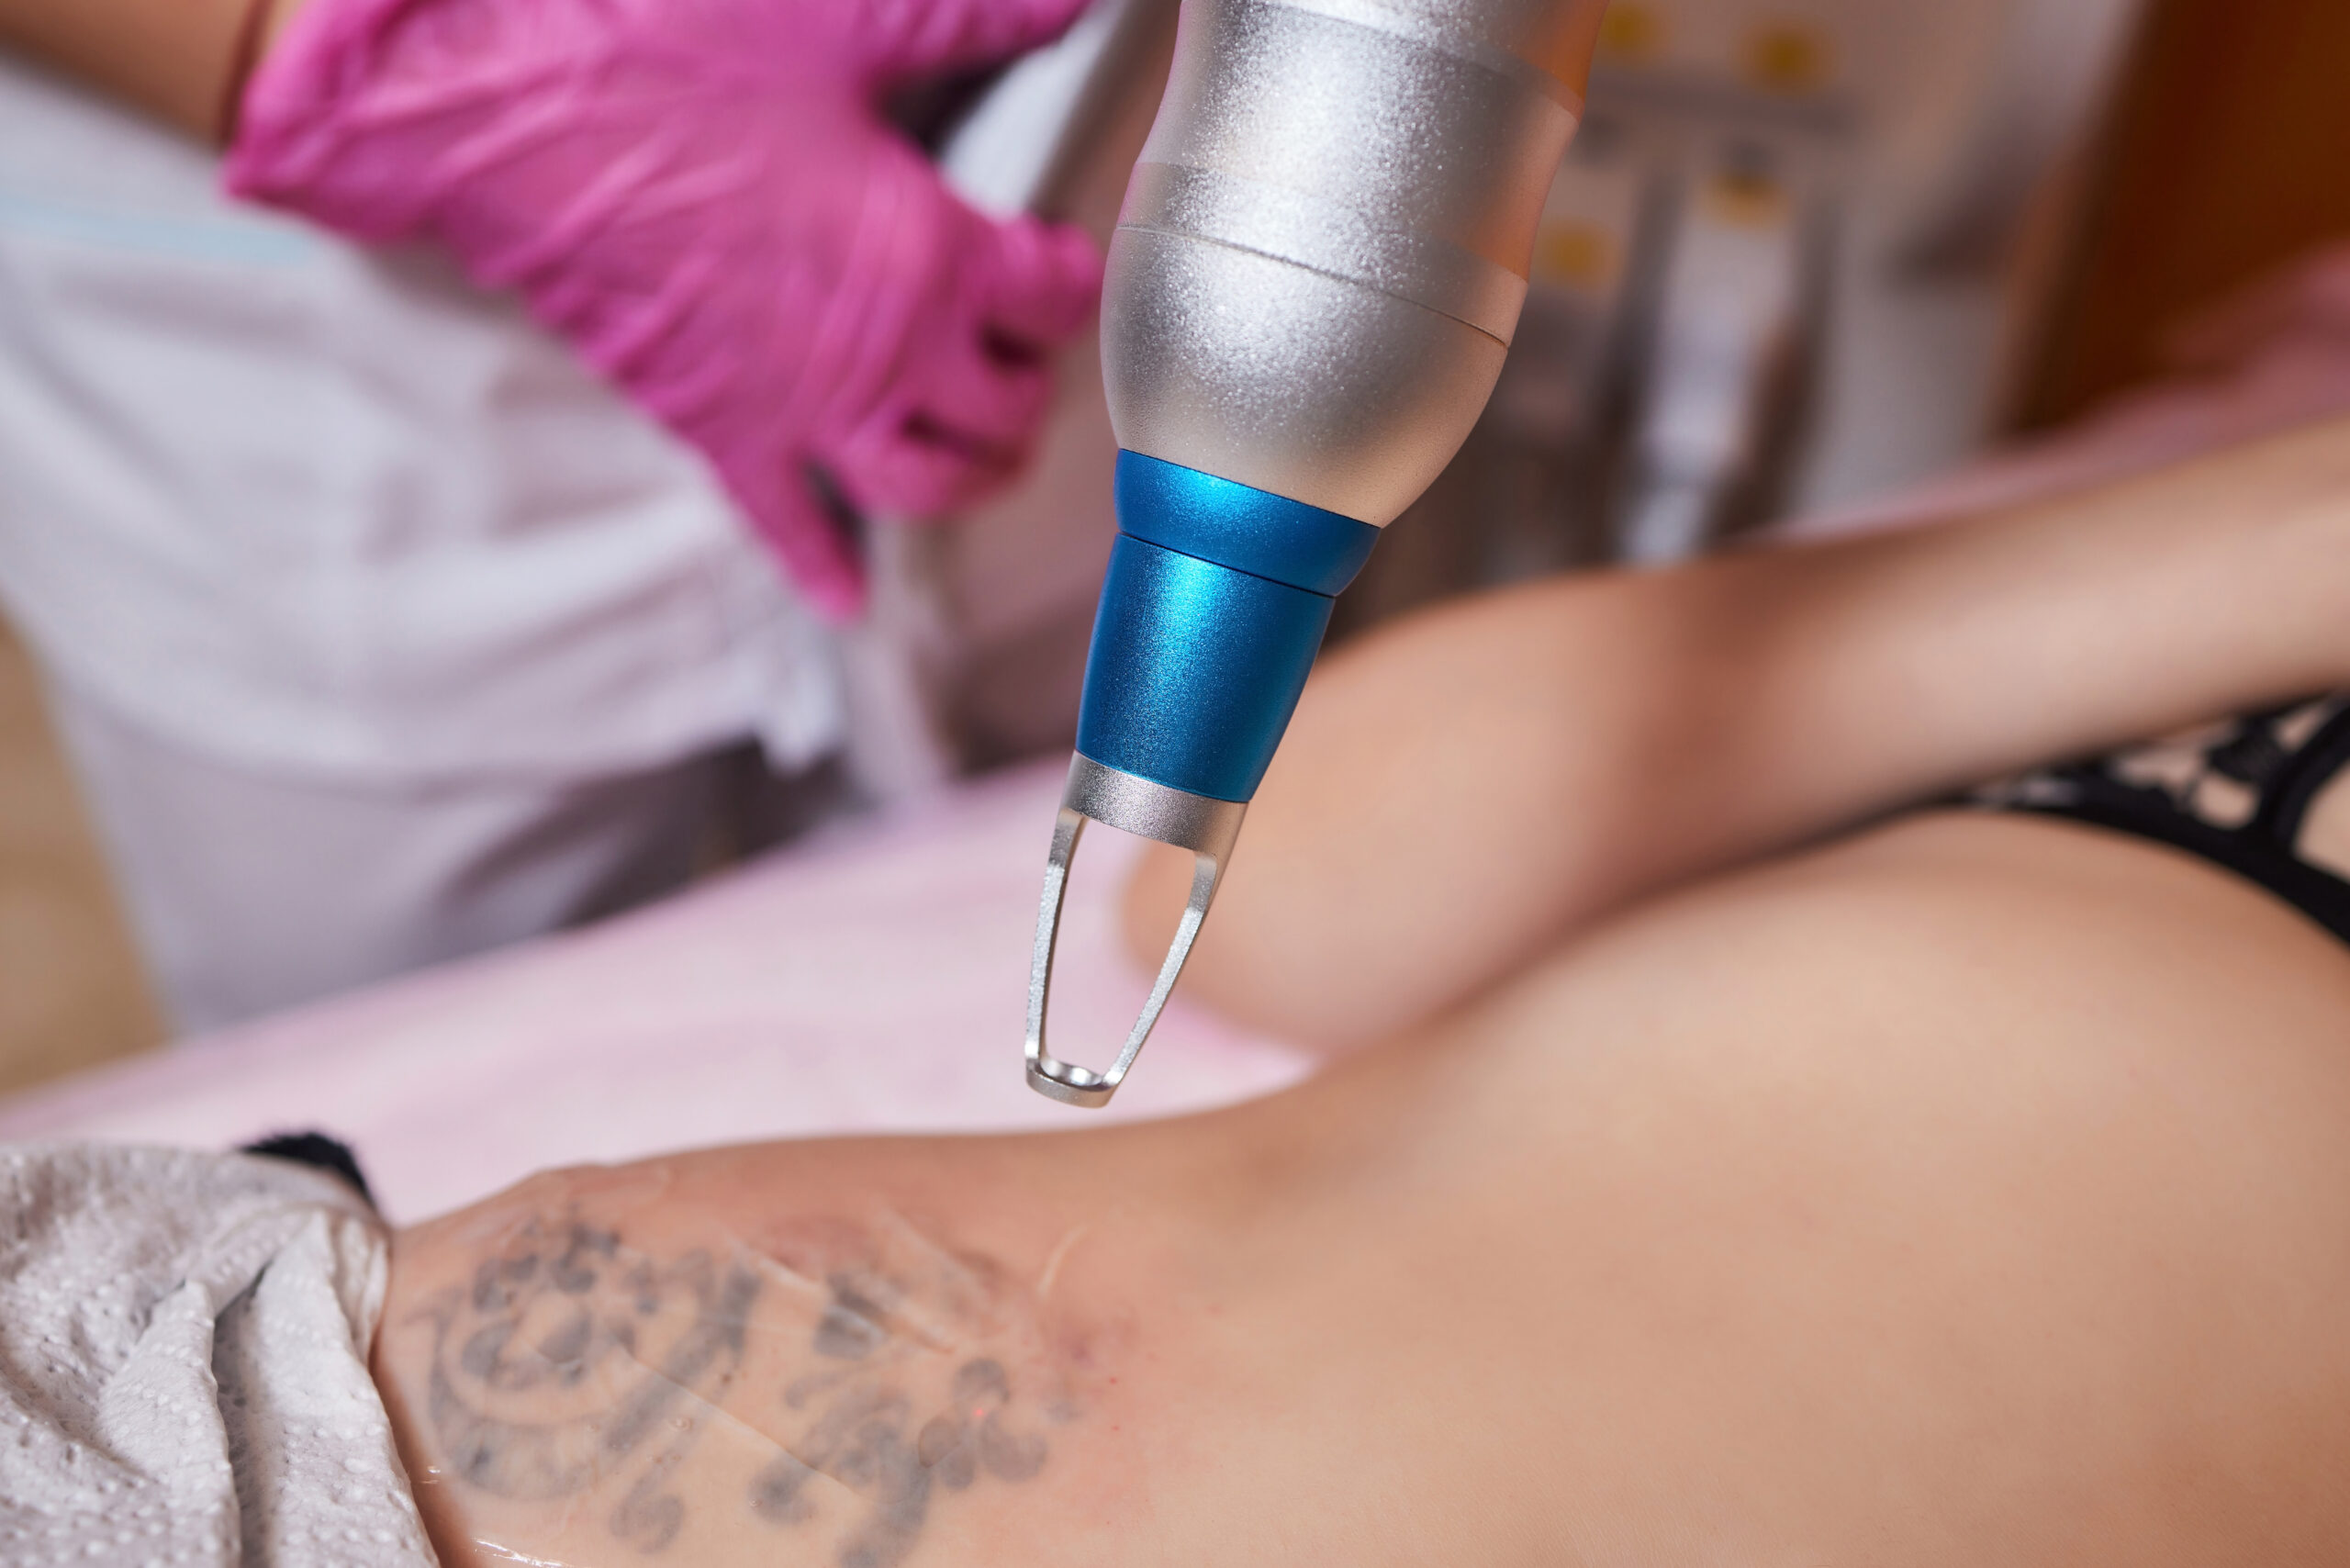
[
  {"x": 1462, "y": 786},
  {"x": 175, "y": 58}
]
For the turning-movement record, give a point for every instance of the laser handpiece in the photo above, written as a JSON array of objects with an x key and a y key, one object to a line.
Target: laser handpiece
[{"x": 1314, "y": 280}]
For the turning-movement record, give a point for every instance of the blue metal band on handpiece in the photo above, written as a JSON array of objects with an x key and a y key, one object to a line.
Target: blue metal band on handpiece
[
  {"x": 1214, "y": 607},
  {"x": 1234, "y": 525}
]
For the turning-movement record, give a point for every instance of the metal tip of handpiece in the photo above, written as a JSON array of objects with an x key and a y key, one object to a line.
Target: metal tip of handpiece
[{"x": 1207, "y": 827}]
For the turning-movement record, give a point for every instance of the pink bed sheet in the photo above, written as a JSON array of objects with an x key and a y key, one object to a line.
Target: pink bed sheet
[{"x": 872, "y": 981}]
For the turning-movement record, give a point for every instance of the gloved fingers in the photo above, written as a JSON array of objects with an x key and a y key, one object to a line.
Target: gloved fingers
[
  {"x": 785, "y": 509},
  {"x": 974, "y": 379},
  {"x": 988, "y": 400},
  {"x": 917, "y": 38},
  {"x": 913, "y": 466},
  {"x": 963, "y": 425},
  {"x": 1042, "y": 287}
]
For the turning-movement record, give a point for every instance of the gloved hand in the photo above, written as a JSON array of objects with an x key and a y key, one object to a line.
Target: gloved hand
[{"x": 702, "y": 197}]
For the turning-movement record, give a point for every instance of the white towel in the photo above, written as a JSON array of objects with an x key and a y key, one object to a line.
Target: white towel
[{"x": 183, "y": 1365}]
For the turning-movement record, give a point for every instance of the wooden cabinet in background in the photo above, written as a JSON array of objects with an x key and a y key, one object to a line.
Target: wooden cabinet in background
[{"x": 2229, "y": 152}]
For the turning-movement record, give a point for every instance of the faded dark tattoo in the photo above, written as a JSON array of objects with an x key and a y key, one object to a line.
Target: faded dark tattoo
[{"x": 869, "y": 1373}]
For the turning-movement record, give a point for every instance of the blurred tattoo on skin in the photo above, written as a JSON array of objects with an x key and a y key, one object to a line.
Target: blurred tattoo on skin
[{"x": 857, "y": 1374}]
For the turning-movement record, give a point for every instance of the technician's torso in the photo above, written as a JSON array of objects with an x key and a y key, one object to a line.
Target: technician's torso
[{"x": 319, "y": 510}]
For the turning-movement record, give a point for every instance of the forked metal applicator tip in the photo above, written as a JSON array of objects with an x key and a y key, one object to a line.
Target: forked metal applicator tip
[{"x": 1205, "y": 826}]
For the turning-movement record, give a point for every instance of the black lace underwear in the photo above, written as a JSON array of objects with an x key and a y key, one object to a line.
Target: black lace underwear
[{"x": 2237, "y": 793}]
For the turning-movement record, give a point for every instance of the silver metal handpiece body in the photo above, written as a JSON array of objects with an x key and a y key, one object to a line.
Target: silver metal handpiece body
[
  {"x": 1314, "y": 281},
  {"x": 1324, "y": 244}
]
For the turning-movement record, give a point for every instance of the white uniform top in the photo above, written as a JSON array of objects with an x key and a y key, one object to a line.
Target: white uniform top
[{"x": 316, "y": 508}]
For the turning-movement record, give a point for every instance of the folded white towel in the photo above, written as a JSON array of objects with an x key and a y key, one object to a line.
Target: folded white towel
[{"x": 183, "y": 1365}]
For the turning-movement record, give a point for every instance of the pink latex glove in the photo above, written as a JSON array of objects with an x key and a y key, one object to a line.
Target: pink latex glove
[{"x": 702, "y": 197}]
